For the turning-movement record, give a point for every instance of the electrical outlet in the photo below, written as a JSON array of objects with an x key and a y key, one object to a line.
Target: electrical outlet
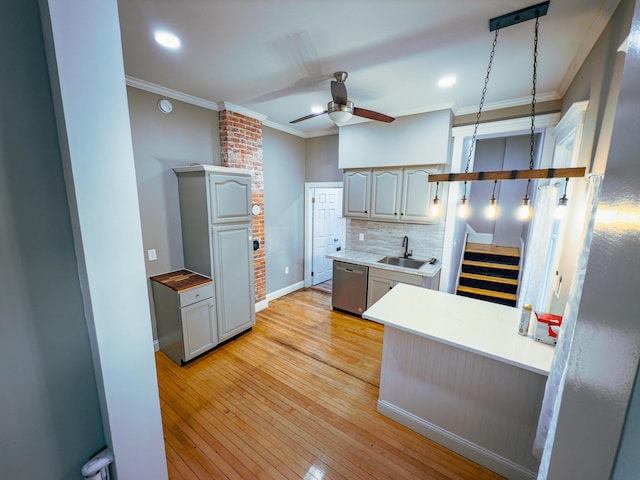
[
  {"x": 286, "y": 270},
  {"x": 361, "y": 237},
  {"x": 151, "y": 254}
]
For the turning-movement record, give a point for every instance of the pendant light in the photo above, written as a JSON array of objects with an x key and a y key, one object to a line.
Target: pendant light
[
  {"x": 524, "y": 212},
  {"x": 491, "y": 211},
  {"x": 435, "y": 206},
  {"x": 563, "y": 203},
  {"x": 463, "y": 207}
]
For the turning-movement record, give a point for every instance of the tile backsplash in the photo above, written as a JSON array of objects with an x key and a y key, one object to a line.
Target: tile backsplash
[{"x": 385, "y": 238}]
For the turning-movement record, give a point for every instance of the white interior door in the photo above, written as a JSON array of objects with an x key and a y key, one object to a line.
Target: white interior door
[{"x": 327, "y": 228}]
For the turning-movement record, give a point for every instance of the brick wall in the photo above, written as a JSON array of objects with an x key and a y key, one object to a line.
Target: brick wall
[{"x": 241, "y": 147}]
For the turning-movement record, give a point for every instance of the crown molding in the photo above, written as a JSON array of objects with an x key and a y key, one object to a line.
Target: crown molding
[
  {"x": 298, "y": 133},
  {"x": 588, "y": 42},
  {"x": 168, "y": 92},
  {"x": 241, "y": 110}
]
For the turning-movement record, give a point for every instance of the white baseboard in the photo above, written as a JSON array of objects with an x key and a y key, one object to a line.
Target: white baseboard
[
  {"x": 464, "y": 447},
  {"x": 156, "y": 345},
  {"x": 262, "y": 305},
  {"x": 284, "y": 291}
]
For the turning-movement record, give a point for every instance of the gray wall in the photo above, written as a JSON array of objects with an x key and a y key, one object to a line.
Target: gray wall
[
  {"x": 50, "y": 422},
  {"x": 505, "y": 153},
  {"x": 284, "y": 177},
  {"x": 321, "y": 163},
  {"x": 598, "y": 81},
  {"x": 628, "y": 461},
  {"x": 189, "y": 134},
  {"x": 603, "y": 363}
]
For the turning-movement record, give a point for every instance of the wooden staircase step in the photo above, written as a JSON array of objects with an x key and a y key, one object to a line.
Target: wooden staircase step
[
  {"x": 490, "y": 265},
  {"x": 492, "y": 249},
  {"x": 487, "y": 293},
  {"x": 487, "y": 278}
]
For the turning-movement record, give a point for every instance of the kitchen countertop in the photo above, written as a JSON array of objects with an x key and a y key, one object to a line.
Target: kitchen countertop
[
  {"x": 484, "y": 328},
  {"x": 371, "y": 260}
]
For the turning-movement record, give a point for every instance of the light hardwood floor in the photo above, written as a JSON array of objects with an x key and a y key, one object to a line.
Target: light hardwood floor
[{"x": 295, "y": 398}]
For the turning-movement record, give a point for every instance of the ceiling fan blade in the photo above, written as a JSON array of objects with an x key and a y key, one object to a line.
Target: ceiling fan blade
[
  {"x": 371, "y": 115},
  {"x": 307, "y": 117},
  {"x": 339, "y": 92}
]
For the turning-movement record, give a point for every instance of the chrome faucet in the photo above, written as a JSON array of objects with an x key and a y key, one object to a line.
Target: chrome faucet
[{"x": 405, "y": 248}]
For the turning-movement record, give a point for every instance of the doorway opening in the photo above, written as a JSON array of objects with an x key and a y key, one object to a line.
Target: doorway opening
[{"x": 324, "y": 231}]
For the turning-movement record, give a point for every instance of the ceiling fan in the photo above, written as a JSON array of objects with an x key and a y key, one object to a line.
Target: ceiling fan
[{"x": 341, "y": 109}]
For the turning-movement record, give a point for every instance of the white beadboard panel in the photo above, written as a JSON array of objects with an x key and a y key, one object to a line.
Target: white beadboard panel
[
  {"x": 467, "y": 449},
  {"x": 488, "y": 403}
]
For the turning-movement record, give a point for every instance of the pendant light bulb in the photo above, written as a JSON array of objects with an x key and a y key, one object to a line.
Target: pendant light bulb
[
  {"x": 463, "y": 208},
  {"x": 524, "y": 211},
  {"x": 492, "y": 209},
  {"x": 435, "y": 208}
]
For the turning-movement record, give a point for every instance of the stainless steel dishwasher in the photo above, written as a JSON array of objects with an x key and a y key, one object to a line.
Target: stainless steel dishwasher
[{"x": 349, "y": 292}]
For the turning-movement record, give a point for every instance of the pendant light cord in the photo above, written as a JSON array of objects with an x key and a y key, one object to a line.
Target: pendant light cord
[
  {"x": 484, "y": 93},
  {"x": 533, "y": 102}
]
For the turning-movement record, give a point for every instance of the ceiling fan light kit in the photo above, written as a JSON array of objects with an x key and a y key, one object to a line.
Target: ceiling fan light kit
[
  {"x": 340, "y": 113},
  {"x": 341, "y": 109}
]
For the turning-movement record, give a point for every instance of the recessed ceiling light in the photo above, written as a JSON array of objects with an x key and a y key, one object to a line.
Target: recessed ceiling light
[
  {"x": 167, "y": 39},
  {"x": 317, "y": 109},
  {"x": 447, "y": 81}
]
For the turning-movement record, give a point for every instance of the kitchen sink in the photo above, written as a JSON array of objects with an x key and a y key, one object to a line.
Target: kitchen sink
[{"x": 402, "y": 262}]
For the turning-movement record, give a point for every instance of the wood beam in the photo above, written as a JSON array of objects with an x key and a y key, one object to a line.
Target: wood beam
[{"x": 509, "y": 175}]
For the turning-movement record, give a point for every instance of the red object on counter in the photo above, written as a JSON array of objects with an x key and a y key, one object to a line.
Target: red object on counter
[{"x": 551, "y": 320}]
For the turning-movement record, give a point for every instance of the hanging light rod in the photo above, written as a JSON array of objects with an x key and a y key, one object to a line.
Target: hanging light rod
[
  {"x": 519, "y": 16},
  {"x": 509, "y": 175}
]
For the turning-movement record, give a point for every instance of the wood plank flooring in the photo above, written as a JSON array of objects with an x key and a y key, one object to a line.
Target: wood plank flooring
[{"x": 295, "y": 398}]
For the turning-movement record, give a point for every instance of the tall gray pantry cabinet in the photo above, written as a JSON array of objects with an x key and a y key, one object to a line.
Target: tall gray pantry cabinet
[{"x": 215, "y": 211}]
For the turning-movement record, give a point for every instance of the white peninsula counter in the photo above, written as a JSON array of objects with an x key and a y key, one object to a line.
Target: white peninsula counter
[{"x": 455, "y": 370}]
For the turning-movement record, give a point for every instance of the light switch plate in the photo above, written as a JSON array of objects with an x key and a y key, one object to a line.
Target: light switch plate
[
  {"x": 361, "y": 237},
  {"x": 151, "y": 254}
]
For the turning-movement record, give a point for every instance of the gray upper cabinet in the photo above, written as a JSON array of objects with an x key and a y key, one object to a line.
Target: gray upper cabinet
[
  {"x": 395, "y": 195},
  {"x": 416, "y": 195},
  {"x": 385, "y": 194},
  {"x": 230, "y": 199},
  {"x": 357, "y": 193}
]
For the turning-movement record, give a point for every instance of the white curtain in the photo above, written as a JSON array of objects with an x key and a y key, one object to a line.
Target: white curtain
[
  {"x": 555, "y": 383},
  {"x": 538, "y": 246}
]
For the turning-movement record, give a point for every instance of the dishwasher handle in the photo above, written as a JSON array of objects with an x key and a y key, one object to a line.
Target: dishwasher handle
[{"x": 349, "y": 270}]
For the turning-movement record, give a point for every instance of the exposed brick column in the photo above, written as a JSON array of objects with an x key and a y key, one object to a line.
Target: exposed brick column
[{"x": 241, "y": 147}]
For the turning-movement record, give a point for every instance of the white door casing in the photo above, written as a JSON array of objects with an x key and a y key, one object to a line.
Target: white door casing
[{"x": 310, "y": 188}]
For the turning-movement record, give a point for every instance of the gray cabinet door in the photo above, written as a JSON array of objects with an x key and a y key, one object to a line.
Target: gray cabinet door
[
  {"x": 230, "y": 198},
  {"x": 198, "y": 328},
  {"x": 416, "y": 196},
  {"x": 233, "y": 273},
  {"x": 385, "y": 194},
  {"x": 377, "y": 288},
  {"x": 356, "y": 193}
]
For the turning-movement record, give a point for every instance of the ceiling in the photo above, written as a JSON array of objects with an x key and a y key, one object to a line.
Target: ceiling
[{"x": 277, "y": 57}]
